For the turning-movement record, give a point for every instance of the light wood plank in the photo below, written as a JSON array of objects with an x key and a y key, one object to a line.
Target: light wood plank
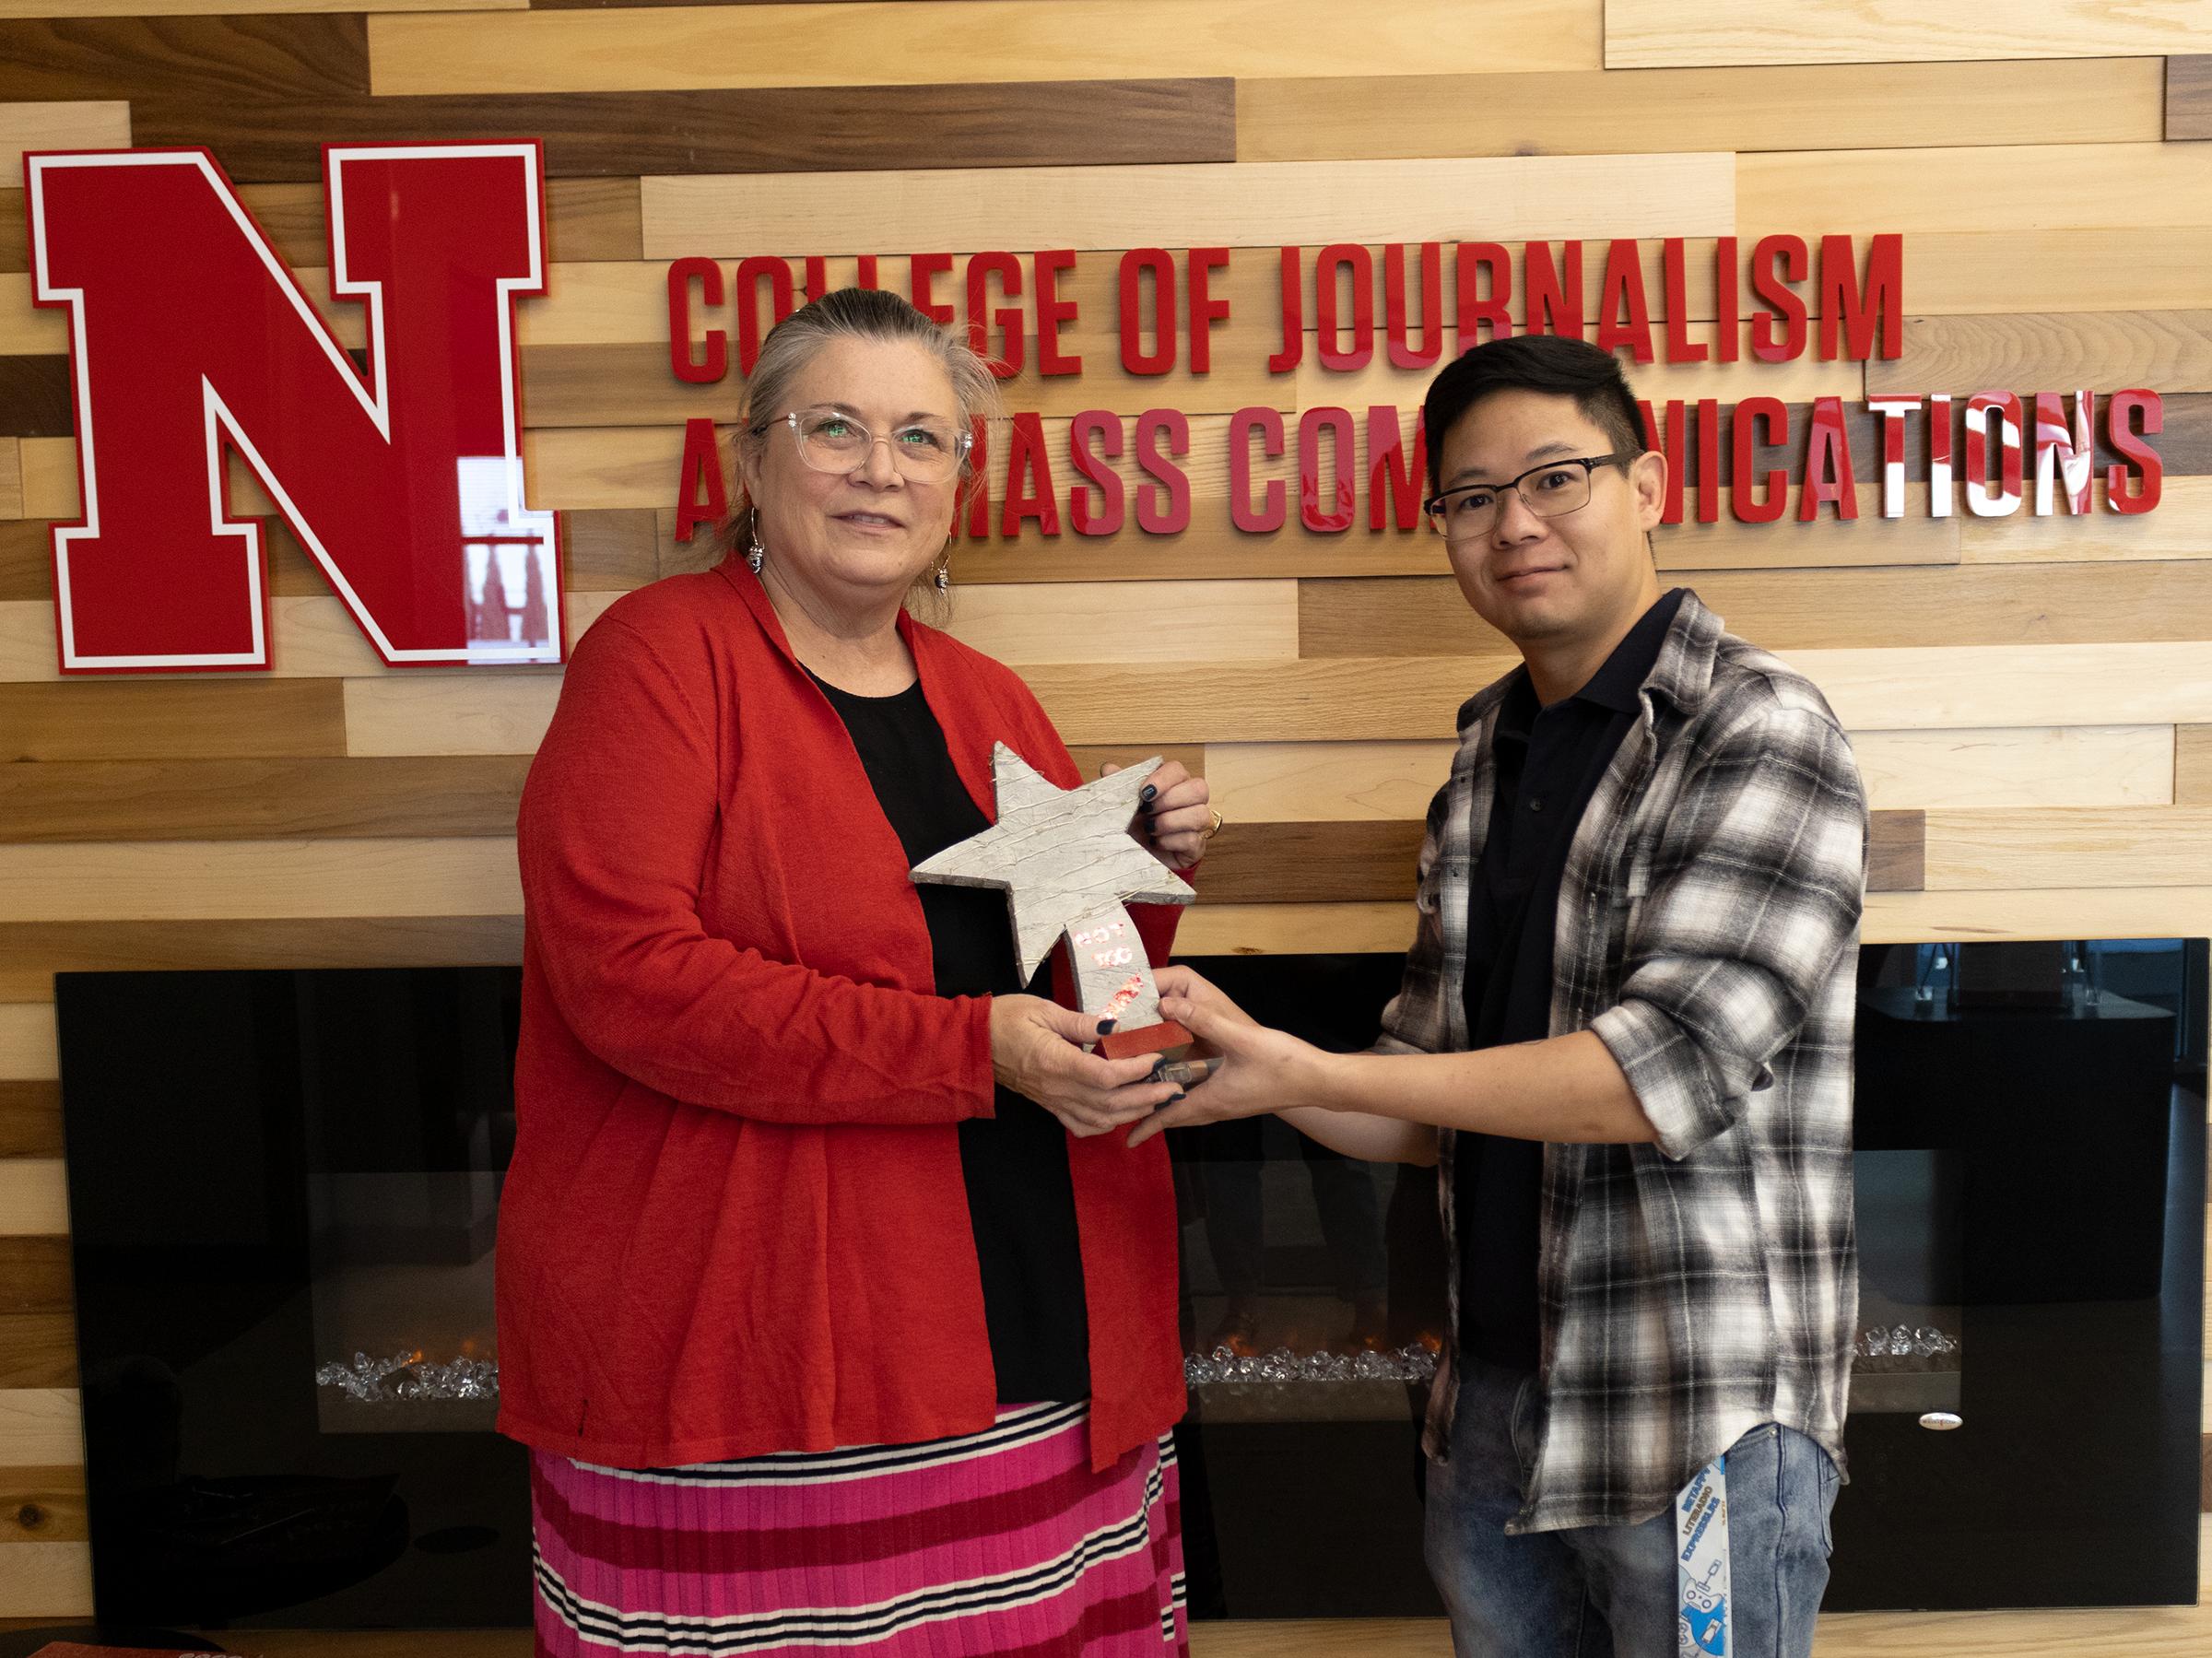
[
  {"x": 2034, "y": 766},
  {"x": 1256, "y": 204},
  {"x": 2012, "y": 685},
  {"x": 1973, "y": 272},
  {"x": 46, "y": 1579},
  {"x": 1177, "y": 621},
  {"x": 27, "y": 1051},
  {"x": 1398, "y": 699},
  {"x": 1653, "y": 34},
  {"x": 187, "y": 880},
  {"x": 34, "y": 1197},
  {"x": 11, "y": 477},
  {"x": 39, "y": 1429},
  {"x": 1811, "y": 609},
  {"x": 2042, "y": 187},
  {"x": 1798, "y": 381},
  {"x": 2068, "y": 847},
  {"x": 2049, "y": 912},
  {"x": 48, "y": 466},
  {"x": 831, "y": 45},
  {"x": 89, "y": 126},
  {"x": 504, "y": 714},
  {"x": 1325, "y": 783},
  {"x": 2161, "y": 351},
  {"x": 1413, "y": 116},
  {"x": 1904, "y": 770},
  {"x": 2193, "y": 765},
  {"x": 2180, "y": 527},
  {"x": 1293, "y": 929}
]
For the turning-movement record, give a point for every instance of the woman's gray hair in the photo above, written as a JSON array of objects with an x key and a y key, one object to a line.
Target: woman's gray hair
[{"x": 860, "y": 314}]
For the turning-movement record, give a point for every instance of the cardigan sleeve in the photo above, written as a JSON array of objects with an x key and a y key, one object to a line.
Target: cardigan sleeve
[{"x": 616, "y": 826}]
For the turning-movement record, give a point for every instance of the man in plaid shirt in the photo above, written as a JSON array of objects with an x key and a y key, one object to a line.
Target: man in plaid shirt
[{"x": 1625, "y": 1034}]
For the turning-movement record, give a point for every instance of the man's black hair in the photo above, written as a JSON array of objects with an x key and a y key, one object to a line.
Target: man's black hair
[{"x": 1534, "y": 362}]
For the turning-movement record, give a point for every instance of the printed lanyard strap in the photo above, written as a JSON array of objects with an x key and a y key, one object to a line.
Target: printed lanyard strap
[{"x": 1701, "y": 1562}]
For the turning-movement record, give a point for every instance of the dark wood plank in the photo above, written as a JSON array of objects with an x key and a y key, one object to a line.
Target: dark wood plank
[
  {"x": 35, "y": 397},
  {"x": 125, "y": 719},
  {"x": 586, "y": 219},
  {"x": 30, "y": 1119},
  {"x": 38, "y": 1349},
  {"x": 612, "y": 549},
  {"x": 34, "y": 1275},
  {"x": 219, "y": 59},
  {"x": 259, "y": 799},
  {"x": 2189, "y": 101},
  {"x": 1896, "y": 851},
  {"x": 1347, "y": 862},
  {"x": 1310, "y": 862},
  {"x": 1926, "y": 606},
  {"x": 42, "y": 1505},
  {"x": 15, "y": 232},
  {"x": 2193, "y": 765},
  {"x": 774, "y": 129},
  {"x": 32, "y": 952}
]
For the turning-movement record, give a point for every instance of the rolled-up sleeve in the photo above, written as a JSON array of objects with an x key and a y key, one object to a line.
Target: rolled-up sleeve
[{"x": 1757, "y": 883}]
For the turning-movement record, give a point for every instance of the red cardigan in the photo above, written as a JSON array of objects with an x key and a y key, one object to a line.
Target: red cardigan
[{"x": 736, "y": 1221}]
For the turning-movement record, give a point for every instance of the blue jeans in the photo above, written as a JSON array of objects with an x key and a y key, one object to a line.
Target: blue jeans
[{"x": 1609, "y": 1591}]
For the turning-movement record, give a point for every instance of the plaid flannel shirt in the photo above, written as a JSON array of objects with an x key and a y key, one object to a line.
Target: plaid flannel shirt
[{"x": 1691, "y": 1290}]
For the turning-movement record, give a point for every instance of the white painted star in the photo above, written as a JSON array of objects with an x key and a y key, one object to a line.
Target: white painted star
[{"x": 1059, "y": 854}]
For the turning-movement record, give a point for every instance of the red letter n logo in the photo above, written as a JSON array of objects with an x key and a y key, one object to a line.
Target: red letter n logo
[{"x": 190, "y": 342}]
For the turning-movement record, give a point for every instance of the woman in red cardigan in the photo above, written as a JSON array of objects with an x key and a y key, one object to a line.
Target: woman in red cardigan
[{"x": 834, "y": 1316}]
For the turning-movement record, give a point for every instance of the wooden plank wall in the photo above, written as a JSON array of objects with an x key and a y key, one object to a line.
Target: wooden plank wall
[{"x": 2031, "y": 699}]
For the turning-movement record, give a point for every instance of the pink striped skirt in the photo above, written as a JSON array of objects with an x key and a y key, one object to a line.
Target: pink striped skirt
[{"x": 1001, "y": 1542}]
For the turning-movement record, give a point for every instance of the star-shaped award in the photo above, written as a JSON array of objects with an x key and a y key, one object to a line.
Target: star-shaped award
[{"x": 1064, "y": 859}]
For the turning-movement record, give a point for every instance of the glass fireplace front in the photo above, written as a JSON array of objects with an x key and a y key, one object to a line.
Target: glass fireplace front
[{"x": 285, "y": 1189}]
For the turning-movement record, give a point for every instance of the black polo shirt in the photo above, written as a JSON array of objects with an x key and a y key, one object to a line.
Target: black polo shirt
[{"x": 1548, "y": 763}]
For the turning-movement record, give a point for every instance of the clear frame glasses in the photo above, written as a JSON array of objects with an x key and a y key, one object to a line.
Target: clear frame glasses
[
  {"x": 928, "y": 450},
  {"x": 1551, "y": 490}
]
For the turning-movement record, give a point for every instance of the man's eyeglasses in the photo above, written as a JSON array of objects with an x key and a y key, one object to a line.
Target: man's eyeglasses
[
  {"x": 925, "y": 451},
  {"x": 1551, "y": 490}
]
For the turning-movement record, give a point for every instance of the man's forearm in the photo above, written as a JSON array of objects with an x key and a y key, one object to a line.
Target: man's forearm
[
  {"x": 1566, "y": 1090},
  {"x": 1364, "y": 1135}
]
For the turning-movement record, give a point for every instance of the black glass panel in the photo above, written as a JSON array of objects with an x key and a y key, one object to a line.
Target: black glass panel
[{"x": 280, "y": 1176}]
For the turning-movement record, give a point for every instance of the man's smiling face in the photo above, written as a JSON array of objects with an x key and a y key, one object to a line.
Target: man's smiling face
[{"x": 1547, "y": 582}]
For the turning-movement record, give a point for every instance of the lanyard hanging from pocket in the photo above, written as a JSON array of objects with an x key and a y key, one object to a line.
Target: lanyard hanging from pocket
[{"x": 1701, "y": 1562}]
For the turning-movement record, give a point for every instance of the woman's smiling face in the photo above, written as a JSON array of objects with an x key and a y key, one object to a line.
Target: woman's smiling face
[{"x": 853, "y": 537}]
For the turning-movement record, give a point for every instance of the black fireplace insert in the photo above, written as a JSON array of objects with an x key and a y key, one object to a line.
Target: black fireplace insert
[{"x": 284, "y": 1193}]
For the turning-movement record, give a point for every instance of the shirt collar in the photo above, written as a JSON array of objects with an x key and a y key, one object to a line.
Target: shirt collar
[{"x": 1616, "y": 684}]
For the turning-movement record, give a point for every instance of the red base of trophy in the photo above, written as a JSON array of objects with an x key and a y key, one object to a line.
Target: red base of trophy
[{"x": 1166, "y": 1038}]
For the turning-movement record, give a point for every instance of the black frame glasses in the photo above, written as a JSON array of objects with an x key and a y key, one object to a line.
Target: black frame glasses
[{"x": 1436, "y": 505}]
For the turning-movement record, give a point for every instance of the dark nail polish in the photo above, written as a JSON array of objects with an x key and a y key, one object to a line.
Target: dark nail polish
[
  {"x": 1147, "y": 792},
  {"x": 1177, "y": 1097},
  {"x": 1106, "y": 1027}
]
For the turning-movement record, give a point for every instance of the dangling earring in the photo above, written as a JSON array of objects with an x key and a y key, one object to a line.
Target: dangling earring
[
  {"x": 756, "y": 554},
  {"x": 945, "y": 576}
]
